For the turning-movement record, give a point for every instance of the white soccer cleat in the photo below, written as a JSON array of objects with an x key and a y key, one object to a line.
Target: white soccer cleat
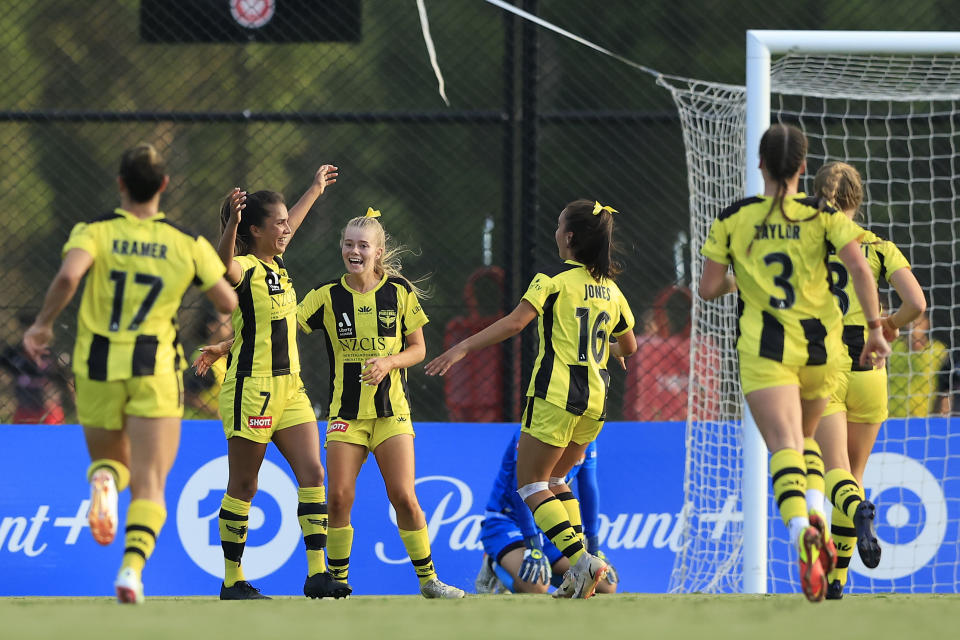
[
  {"x": 565, "y": 590},
  {"x": 129, "y": 587},
  {"x": 585, "y": 575},
  {"x": 486, "y": 581},
  {"x": 102, "y": 515},
  {"x": 436, "y": 589}
]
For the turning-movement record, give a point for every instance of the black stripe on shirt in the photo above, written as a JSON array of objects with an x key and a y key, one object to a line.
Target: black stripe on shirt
[
  {"x": 315, "y": 321},
  {"x": 145, "y": 355},
  {"x": 386, "y": 303},
  {"x": 542, "y": 381},
  {"x": 853, "y": 339},
  {"x": 97, "y": 359},
  {"x": 341, "y": 305},
  {"x": 238, "y": 405},
  {"x": 279, "y": 347},
  {"x": 350, "y": 391},
  {"x": 883, "y": 264},
  {"x": 381, "y": 398},
  {"x": 605, "y": 376},
  {"x": 248, "y": 333},
  {"x": 578, "y": 392},
  {"x": 816, "y": 334},
  {"x": 771, "y": 338}
]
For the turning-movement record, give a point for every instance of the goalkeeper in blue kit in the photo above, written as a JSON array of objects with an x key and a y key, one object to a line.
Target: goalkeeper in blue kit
[{"x": 516, "y": 557}]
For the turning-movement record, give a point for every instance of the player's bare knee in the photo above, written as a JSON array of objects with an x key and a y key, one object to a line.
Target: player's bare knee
[
  {"x": 242, "y": 488},
  {"x": 405, "y": 503},
  {"x": 519, "y": 586}
]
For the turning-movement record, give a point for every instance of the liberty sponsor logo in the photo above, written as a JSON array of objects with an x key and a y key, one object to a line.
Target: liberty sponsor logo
[
  {"x": 345, "y": 327},
  {"x": 260, "y": 422},
  {"x": 273, "y": 283},
  {"x": 273, "y": 533},
  {"x": 337, "y": 426}
]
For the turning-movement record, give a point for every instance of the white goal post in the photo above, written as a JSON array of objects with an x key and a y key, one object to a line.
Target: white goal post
[{"x": 889, "y": 73}]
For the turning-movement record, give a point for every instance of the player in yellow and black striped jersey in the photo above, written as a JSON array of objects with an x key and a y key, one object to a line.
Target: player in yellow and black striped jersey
[
  {"x": 262, "y": 399},
  {"x": 371, "y": 321},
  {"x": 789, "y": 328},
  {"x": 580, "y": 310},
  {"x": 851, "y": 421},
  {"x": 128, "y": 363}
]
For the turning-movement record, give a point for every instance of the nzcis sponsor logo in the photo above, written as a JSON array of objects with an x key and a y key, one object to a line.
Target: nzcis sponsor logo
[{"x": 273, "y": 530}]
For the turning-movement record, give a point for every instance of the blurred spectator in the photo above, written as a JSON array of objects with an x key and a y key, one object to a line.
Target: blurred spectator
[
  {"x": 37, "y": 388},
  {"x": 658, "y": 375},
  {"x": 201, "y": 393},
  {"x": 918, "y": 367}
]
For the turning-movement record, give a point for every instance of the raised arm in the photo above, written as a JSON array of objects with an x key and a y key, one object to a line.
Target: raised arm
[
  {"x": 228, "y": 239},
  {"x": 59, "y": 294},
  {"x": 324, "y": 177}
]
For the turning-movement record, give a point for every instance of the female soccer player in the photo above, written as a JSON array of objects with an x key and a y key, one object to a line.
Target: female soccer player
[
  {"x": 262, "y": 398},
  {"x": 858, "y": 405},
  {"x": 127, "y": 362},
  {"x": 514, "y": 554},
  {"x": 789, "y": 342},
  {"x": 579, "y": 307},
  {"x": 373, "y": 325}
]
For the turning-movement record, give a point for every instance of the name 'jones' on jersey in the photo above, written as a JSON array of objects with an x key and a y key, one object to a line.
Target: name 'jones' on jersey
[{"x": 265, "y": 321}]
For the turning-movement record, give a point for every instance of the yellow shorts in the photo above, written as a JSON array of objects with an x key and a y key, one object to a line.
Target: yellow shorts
[
  {"x": 817, "y": 381},
  {"x": 367, "y": 432},
  {"x": 862, "y": 394},
  {"x": 256, "y": 408},
  {"x": 104, "y": 403},
  {"x": 556, "y": 426}
]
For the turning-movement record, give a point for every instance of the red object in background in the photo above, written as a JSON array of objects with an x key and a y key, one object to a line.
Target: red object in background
[
  {"x": 659, "y": 373},
  {"x": 53, "y": 415},
  {"x": 474, "y": 386}
]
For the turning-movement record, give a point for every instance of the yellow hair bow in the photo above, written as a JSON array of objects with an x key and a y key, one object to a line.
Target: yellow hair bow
[
  {"x": 372, "y": 213},
  {"x": 597, "y": 208}
]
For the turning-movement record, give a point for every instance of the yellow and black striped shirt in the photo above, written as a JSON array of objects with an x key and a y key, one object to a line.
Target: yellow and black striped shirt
[
  {"x": 264, "y": 322},
  {"x": 785, "y": 307},
  {"x": 577, "y": 317},
  {"x": 884, "y": 259},
  {"x": 357, "y": 327},
  {"x": 127, "y": 322}
]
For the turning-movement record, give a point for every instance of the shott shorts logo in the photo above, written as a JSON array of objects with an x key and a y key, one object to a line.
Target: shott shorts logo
[
  {"x": 911, "y": 515},
  {"x": 337, "y": 426},
  {"x": 260, "y": 422},
  {"x": 274, "y": 532}
]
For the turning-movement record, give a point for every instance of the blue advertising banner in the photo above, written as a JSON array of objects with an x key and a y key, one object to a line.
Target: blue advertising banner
[{"x": 45, "y": 548}]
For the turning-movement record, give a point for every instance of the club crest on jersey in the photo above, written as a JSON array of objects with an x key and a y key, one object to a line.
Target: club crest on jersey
[
  {"x": 273, "y": 283},
  {"x": 260, "y": 422},
  {"x": 387, "y": 318},
  {"x": 337, "y": 426}
]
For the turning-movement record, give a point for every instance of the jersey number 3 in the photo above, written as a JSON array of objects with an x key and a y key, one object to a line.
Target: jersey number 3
[
  {"x": 782, "y": 280},
  {"x": 119, "y": 278}
]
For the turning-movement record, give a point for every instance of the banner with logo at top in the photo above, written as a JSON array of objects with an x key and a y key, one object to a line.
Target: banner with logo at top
[{"x": 46, "y": 549}]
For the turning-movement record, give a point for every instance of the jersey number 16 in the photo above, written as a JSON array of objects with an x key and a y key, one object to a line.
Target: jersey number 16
[{"x": 593, "y": 340}]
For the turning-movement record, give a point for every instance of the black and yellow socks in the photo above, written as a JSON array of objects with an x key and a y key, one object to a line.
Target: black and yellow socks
[
  {"x": 552, "y": 518},
  {"x": 789, "y": 474},
  {"x": 312, "y": 513},
  {"x": 339, "y": 544},
  {"x": 144, "y": 521},
  {"x": 417, "y": 544},
  {"x": 234, "y": 515}
]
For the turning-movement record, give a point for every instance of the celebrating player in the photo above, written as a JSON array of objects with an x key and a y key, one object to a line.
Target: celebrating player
[
  {"x": 127, "y": 362},
  {"x": 373, "y": 325},
  {"x": 263, "y": 398},
  {"x": 789, "y": 343},
  {"x": 515, "y": 558},
  {"x": 579, "y": 308},
  {"x": 858, "y": 405}
]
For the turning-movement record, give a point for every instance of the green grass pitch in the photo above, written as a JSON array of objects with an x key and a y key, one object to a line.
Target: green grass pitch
[{"x": 907, "y": 617}]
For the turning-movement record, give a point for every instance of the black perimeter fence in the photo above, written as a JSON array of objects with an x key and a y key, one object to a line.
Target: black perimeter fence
[{"x": 259, "y": 93}]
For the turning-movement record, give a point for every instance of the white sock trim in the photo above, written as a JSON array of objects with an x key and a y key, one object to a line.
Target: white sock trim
[
  {"x": 815, "y": 500},
  {"x": 797, "y": 526},
  {"x": 557, "y": 481},
  {"x": 528, "y": 490}
]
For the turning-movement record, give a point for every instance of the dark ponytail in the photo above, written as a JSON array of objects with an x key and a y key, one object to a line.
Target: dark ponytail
[
  {"x": 253, "y": 214},
  {"x": 592, "y": 242}
]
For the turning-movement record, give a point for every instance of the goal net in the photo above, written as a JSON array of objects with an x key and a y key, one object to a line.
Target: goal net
[{"x": 895, "y": 118}]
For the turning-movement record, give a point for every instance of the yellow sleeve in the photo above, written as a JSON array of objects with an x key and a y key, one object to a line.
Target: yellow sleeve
[
  {"x": 209, "y": 268},
  {"x": 540, "y": 287},
  {"x": 413, "y": 315},
  {"x": 310, "y": 311},
  {"x": 81, "y": 237},
  {"x": 893, "y": 258},
  {"x": 716, "y": 246},
  {"x": 841, "y": 230},
  {"x": 626, "y": 321}
]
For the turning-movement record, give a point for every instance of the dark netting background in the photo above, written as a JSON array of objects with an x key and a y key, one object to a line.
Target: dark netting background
[{"x": 474, "y": 188}]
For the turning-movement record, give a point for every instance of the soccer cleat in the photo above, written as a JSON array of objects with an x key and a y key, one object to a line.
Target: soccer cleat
[
  {"x": 828, "y": 551},
  {"x": 241, "y": 590},
  {"x": 435, "y": 589},
  {"x": 835, "y": 590},
  {"x": 486, "y": 581},
  {"x": 324, "y": 585},
  {"x": 565, "y": 590},
  {"x": 102, "y": 515},
  {"x": 585, "y": 575},
  {"x": 868, "y": 546},
  {"x": 813, "y": 581},
  {"x": 129, "y": 587}
]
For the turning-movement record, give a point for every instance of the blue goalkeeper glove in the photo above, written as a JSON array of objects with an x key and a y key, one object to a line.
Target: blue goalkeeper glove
[
  {"x": 612, "y": 577},
  {"x": 535, "y": 568}
]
